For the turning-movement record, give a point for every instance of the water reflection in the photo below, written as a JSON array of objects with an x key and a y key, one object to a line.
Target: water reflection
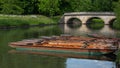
[
  {"x": 78, "y": 31},
  {"x": 88, "y": 63},
  {"x": 106, "y": 30},
  {"x": 32, "y": 61},
  {"x": 57, "y": 60},
  {"x": 67, "y": 55},
  {"x": 83, "y": 30},
  {"x": 8, "y": 60}
]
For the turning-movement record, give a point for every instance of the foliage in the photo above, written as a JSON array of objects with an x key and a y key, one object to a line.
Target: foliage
[
  {"x": 117, "y": 10},
  {"x": 116, "y": 25},
  {"x": 20, "y": 20},
  {"x": 65, "y": 6},
  {"x": 102, "y": 5},
  {"x": 80, "y": 5},
  {"x": 13, "y": 22},
  {"x": 53, "y": 7},
  {"x": 97, "y": 21},
  {"x": 96, "y": 24},
  {"x": 29, "y": 6},
  {"x": 11, "y": 9},
  {"x": 49, "y": 7}
]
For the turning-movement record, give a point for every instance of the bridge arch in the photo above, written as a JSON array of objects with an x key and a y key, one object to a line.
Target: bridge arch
[
  {"x": 89, "y": 20},
  {"x": 73, "y": 20},
  {"x": 112, "y": 21},
  {"x": 95, "y": 23}
]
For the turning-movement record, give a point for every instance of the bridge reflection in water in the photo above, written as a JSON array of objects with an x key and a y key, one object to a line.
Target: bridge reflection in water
[{"x": 83, "y": 30}]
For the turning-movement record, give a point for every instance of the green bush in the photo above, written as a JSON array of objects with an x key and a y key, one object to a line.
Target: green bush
[
  {"x": 96, "y": 24},
  {"x": 116, "y": 25},
  {"x": 13, "y": 22},
  {"x": 11, "y": 9},
  {"x": 97, "y": 21},
  {"x": 4, "y": 23}
]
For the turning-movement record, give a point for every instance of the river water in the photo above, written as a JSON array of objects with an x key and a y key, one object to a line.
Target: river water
[{"x": 10, "y": 59}]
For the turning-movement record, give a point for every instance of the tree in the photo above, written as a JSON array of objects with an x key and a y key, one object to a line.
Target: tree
[
  {"x": 49, "y": 7},
  {"x": 102, "y": 5},
  {"x": 54, "y": 7},
  {"x": 65, "y": 6},
  {"x": 10, "y": 7},
  {"x": 80, "y": 5},
  {"x": 117, "y": 11},
  {"x": 29, "y": 6}
]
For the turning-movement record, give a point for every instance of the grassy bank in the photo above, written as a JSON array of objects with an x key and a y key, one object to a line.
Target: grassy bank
[
  {"x": 26, "y": 20},
  {"x": 7, "y": 21}
]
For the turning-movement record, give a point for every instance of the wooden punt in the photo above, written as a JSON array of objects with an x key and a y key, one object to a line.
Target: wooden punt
[{"x": 72, "y": 44}]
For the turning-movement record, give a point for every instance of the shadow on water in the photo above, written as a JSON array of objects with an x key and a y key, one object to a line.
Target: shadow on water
[{"x": 111, "y": 56}]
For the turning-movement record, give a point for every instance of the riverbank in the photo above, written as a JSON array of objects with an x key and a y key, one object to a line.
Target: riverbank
[
  {"x": 10, "y": 21},
  {"x": 13, "y": 21}
]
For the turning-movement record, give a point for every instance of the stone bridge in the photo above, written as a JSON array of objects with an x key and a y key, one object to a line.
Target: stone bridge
[{"x": 107, "y": 17}]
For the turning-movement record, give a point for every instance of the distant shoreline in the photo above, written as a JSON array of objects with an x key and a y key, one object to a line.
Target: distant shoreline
[{"x": 13, "y": 21}]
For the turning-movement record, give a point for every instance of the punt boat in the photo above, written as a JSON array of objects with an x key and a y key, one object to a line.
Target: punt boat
[{"x": 68, "y": 45}]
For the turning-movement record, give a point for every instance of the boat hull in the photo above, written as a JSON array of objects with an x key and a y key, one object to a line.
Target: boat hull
[
  {"x": 65, "y": 50},
  {"x": 65, "y": 55}
]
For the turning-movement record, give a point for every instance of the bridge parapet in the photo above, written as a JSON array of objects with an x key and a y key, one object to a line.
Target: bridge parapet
[{"x": 90, "y": 13}]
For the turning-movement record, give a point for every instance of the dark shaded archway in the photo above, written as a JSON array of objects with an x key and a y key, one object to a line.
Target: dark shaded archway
[
  {"x": 114, "y": 24},
  {"x": 95, "y": 23},
  {"x": 74, "y": 23},
  {"x": 111, "y": 22},
  {"x": 94, "y": 19}
]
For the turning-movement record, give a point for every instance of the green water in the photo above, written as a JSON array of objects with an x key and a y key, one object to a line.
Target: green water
[{"x": 16, "y": 60}]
